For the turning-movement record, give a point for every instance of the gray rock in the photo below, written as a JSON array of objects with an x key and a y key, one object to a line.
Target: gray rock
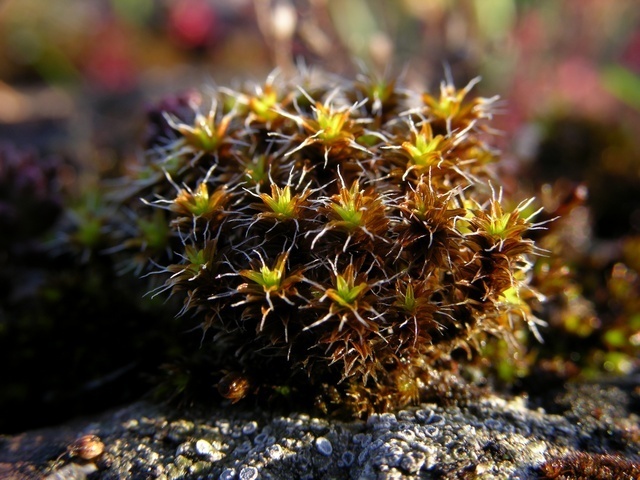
[{"x": 492, "y": 438}]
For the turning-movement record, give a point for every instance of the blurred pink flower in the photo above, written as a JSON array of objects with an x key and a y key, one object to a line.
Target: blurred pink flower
[
  {"x": 578, "y": 84},
  {"x": 193, "y": 23},
  {"x": 109, "y": 63},
  {"x": 631, "y": 53}
]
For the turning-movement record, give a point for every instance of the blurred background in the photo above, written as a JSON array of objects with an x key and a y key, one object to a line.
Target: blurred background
[
  {"x": 84, "y": 71},
  {"x": 78, "y": 77}
]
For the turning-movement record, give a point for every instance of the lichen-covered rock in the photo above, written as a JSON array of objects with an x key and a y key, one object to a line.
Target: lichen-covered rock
[{"x": 490, "y": 438}]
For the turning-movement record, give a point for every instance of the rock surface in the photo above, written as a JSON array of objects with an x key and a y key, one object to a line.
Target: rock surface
[{"x": 491, "y": 438}]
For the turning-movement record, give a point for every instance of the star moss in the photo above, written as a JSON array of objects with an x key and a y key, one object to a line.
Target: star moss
[{"x": 366, "y": 265}]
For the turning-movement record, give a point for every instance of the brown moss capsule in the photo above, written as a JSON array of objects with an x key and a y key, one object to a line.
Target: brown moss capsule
[
  {"x": 234, "y": 386},
  {"x": 87, "y": 447}
]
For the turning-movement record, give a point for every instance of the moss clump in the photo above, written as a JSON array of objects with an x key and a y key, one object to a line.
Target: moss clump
[{"x": 333, "y": 242}]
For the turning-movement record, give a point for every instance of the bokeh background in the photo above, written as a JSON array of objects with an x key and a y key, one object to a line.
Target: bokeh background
[{"x": 77, "y": 78}]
